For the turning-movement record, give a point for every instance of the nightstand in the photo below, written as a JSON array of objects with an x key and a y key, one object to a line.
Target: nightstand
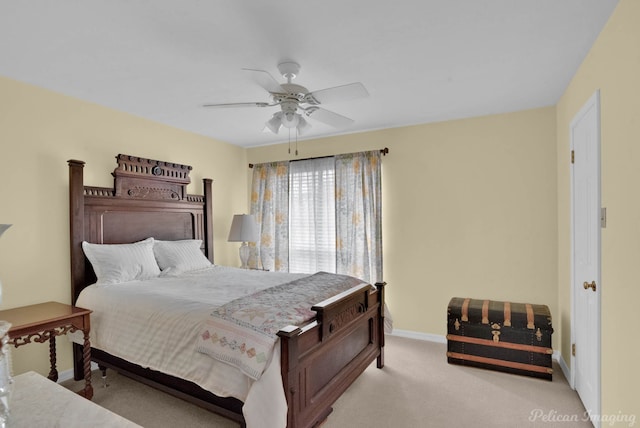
[{"x": 43, "y": 322}]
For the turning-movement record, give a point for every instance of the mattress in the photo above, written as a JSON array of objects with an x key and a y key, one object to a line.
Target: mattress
[{"x": 155, "y": 323}]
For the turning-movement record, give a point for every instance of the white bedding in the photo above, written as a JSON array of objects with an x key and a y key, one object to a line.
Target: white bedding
[{"x": 155, "y": 323}]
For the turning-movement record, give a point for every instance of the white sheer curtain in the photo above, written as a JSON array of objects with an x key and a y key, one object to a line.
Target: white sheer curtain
[{"x": 312, "y": 227}]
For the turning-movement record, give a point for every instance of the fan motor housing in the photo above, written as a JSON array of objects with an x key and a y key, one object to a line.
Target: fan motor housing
[
  {"x": 289, "y": 70},
  {"x": 296, "y": 91}
]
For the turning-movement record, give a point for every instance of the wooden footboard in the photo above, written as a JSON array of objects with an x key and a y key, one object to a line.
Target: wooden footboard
[{"x": 322, "y": 359}]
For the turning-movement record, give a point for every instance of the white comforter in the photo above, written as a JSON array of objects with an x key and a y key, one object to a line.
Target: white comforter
[{"x": 155, "y": 323}]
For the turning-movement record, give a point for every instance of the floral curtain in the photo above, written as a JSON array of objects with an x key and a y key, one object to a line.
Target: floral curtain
[
  {"x": 270, "y": 205},
  {"x": 358, "y": 215}
]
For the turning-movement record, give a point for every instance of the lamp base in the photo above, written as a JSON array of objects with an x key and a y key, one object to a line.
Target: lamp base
[{"x": 244, "y": 255}]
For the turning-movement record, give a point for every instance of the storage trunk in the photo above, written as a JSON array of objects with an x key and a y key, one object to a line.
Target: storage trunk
[{"x": 504, "y": 336}]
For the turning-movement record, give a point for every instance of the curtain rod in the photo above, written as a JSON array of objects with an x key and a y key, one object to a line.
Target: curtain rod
[{"x": 383, "y": 151}]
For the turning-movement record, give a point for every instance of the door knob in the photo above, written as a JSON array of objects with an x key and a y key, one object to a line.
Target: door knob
[{"x": 591, "y": 286}]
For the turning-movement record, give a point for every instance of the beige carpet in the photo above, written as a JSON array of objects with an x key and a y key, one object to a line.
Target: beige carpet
[{"x": 417, "y": 388}]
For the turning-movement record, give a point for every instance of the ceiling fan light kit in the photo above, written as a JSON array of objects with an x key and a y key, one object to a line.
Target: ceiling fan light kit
[{"x": 296, "y": 100}]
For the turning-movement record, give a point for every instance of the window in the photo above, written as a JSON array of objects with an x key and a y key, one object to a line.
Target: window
[
  {"x": 321, "y": 214},
  {"x": 312, "y": 222}
]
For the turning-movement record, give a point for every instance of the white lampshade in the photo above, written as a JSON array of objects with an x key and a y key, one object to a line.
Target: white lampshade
[
  {"x": 274, "y": 123},
  {"x": 244, "y": 228},
  {"x": 289, "y": 120}
]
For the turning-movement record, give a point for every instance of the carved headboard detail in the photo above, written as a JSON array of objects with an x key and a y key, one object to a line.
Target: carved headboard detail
[
  {"x": 149, "y": 199},
  {"x": 141, "y": 178}
]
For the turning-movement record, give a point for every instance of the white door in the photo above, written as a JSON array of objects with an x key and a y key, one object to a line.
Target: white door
[{"x": 586, "y": 223}]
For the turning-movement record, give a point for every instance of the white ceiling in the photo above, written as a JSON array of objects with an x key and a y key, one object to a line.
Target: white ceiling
[{"x": 421, "y": 60}]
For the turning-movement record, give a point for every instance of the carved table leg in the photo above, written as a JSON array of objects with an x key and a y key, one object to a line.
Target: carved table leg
[
  {"x": 86, "y": 353},
  {"x": 53, "y": 373}
]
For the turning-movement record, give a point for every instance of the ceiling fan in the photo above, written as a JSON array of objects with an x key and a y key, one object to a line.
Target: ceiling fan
[{"x": 296, "y": 102}]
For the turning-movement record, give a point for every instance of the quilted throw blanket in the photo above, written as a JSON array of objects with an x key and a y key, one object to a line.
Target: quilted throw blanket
[{"x": 243, "y": 332}]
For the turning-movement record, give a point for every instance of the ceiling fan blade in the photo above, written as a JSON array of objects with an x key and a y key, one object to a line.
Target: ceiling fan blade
[
  {"x": 266, "y": 80},
  {"x": 348, "y": 92},
  {"x": 255, "y": 104},
  {"x": 328, "y": 117}
]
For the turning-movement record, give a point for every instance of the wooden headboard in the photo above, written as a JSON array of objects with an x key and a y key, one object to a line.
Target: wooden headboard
[{"x": 149, "y": 199}]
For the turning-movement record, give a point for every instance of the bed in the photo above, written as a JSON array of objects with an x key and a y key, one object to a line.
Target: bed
[{"x": 314, "y": 362}]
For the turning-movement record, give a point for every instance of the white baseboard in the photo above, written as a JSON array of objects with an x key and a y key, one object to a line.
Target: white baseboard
[
  {"x": 420, "y": 336},
  {"x": 563, "y": 366},
  {"x": 65, "y": 375},
  {"x": 68, "y": 374}
]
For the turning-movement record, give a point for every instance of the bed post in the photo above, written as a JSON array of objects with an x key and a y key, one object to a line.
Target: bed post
[
  {"x": 289, "y": 361},
  {"x": 76, "y": 226},
  {"x": 208, "y": 218},
  {"x": 380, "y": 360},
  {"x": 76, "y": 235}
]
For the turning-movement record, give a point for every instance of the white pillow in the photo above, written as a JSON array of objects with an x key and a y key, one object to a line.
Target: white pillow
[
  {"x": 175, "y": 257},
  {"x": 115, "y": 263}
]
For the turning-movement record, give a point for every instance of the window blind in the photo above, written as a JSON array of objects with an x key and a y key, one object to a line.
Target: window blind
[{"x": 312, "y": 224}]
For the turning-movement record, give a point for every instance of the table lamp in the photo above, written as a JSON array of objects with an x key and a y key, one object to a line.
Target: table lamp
[{"x": 244, "y": 229}]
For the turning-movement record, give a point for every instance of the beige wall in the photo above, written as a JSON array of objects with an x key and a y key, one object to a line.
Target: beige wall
[
  {"x": 469, "y": 209},
  {"x": 613, "y": 66},
  {"x": 39, "y": 132}
]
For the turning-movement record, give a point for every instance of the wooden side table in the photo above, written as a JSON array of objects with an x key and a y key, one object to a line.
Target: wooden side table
[{"x": 43, "y": 322}]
